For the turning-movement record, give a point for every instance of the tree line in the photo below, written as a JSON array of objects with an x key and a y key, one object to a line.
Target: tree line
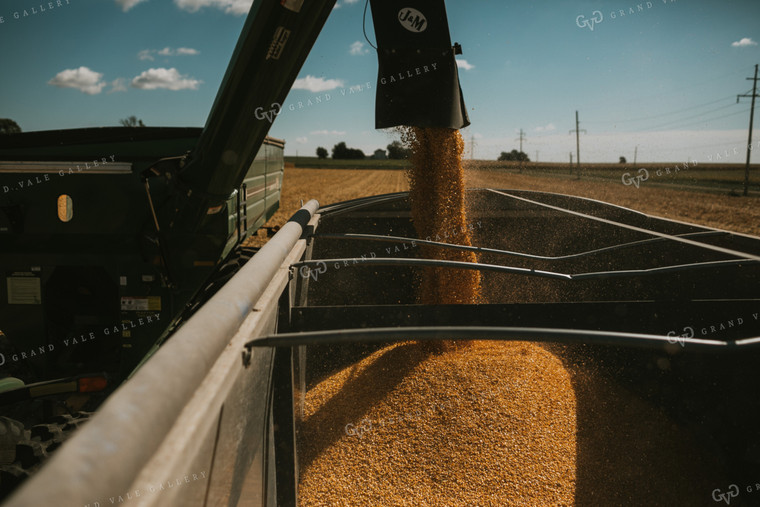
[
  {"x": 514, "y": 155},
  {"x": 395, "y": 151},
  {"x": 8, "y": 126}
]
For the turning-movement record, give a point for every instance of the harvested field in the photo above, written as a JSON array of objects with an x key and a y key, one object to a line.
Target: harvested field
[
  {"x": 334, "y": 185},
  {"x": 329, "y": 186},
  {"x": 740, "y": 214}
]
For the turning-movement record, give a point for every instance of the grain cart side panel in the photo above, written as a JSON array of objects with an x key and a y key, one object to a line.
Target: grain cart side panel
[
  {"x": 257, "y": 199},
  {"x": 84, "y": 281},
  {"x": 91, "y": 289},
  {"x": 275, "y": 173}
]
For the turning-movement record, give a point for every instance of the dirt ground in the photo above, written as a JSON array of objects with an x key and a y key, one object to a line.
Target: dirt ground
[
  {"x": 329, "y": 186},
  {"x": 740, "y": 214}
]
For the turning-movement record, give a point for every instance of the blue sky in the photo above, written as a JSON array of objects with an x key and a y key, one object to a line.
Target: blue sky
[{"x": 661, "y": 75}]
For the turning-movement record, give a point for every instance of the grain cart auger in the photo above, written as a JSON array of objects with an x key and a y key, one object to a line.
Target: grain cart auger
[{"x": 418, "y": 80}]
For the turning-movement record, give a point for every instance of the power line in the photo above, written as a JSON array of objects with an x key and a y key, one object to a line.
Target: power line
[
  {"x": 698, "y": 115},
  {"x": 722, "y": 76},
  {"x": 705, "y": 120},
  {"x": 665, "y": 114},
  {"x": 726, "y": 143}
]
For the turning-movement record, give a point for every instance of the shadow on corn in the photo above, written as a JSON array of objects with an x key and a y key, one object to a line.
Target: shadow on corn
[
  {"x": 641, "y": 439},
  {"x": 361, "y": 390}
]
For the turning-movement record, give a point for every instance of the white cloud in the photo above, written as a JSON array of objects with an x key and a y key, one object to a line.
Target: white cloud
[
  {"x": 316, "y": 84},
  {"x": 236, "y": 7},
  {"x": 328, "y": 133},
  {"x": 147, "y": 54},
  {"x": 118, "y": 85},
  {"x": 464, "y": 64},
  {"x": 83, "y": 79},
  {"x": 350, "y": 1},
  {"x": 745, "y": 42},
  {"x": 547, "y": 128},
  {"x": 302, "y": 140},
  {"x": 357, "y": 48},
  {"x": 170, "y": 79},
  {"x": 128, "y": 4}
]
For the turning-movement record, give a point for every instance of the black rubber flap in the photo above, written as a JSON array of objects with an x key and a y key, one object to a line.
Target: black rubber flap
[{"x": 418, "y": 81}]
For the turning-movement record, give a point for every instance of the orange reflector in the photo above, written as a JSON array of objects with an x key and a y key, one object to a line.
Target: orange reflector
[{"x": 92, "y": 384}]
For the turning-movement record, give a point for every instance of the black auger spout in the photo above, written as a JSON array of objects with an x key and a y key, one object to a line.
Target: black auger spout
[{"x": 418, "y": 82}]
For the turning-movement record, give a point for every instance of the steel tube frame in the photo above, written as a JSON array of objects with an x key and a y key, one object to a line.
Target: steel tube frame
[
  {"x": 475, "y": 266},
  {"x": 533, "y": 334},
  {"x": 478, "y": 249},
  {"x": 706, "y": 246}
]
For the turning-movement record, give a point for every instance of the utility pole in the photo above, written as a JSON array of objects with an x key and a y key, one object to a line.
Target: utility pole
[
  {"x": 751, "y": 118},
  {"x": 578, "y": 144},
  {"x": 571, "y": 162},
  {"x": 472, "y": 147},
  {"x": 635, "y": 152},
  {"x": 536, "y": 155},
  {"x": 521, "y": 138}
]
